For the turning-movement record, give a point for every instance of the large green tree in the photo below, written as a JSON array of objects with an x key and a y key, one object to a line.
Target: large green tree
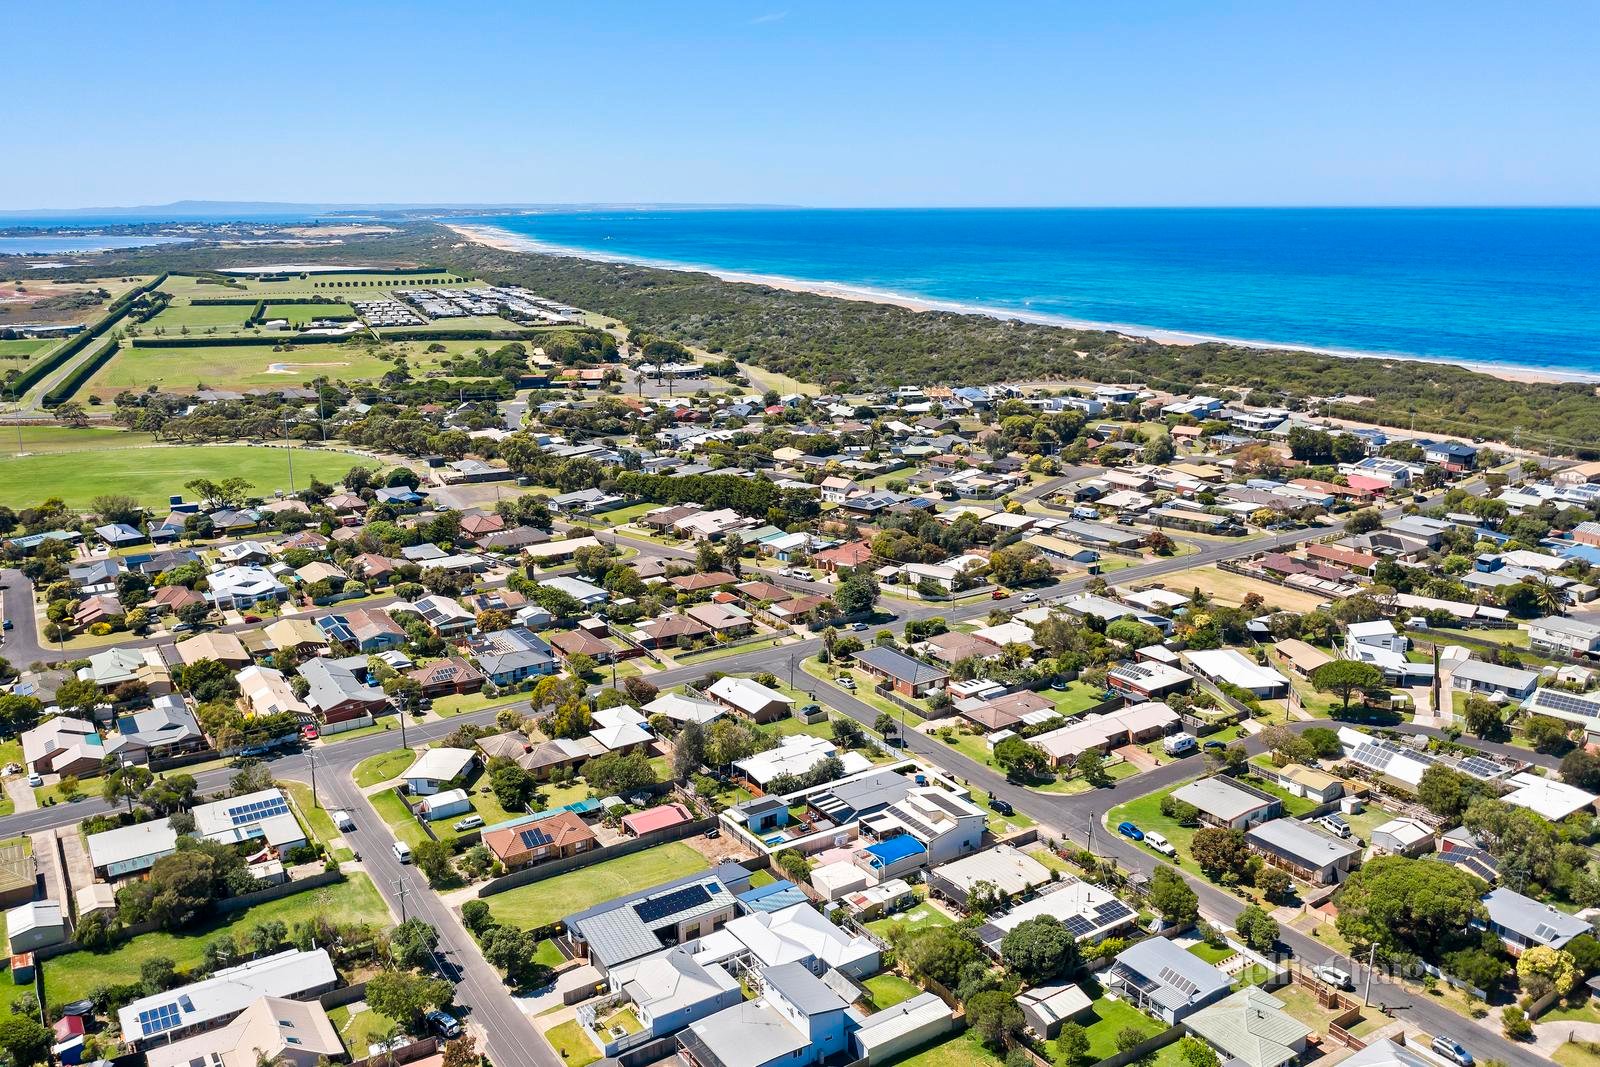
[{"x": 1406, "y": 905}]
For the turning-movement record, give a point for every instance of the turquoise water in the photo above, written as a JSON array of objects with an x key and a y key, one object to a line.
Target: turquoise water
[{"x": 1518, "y": 287}]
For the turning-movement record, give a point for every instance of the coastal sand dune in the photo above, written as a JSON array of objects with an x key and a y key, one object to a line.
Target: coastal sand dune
[{"x": 493, "y": 237}]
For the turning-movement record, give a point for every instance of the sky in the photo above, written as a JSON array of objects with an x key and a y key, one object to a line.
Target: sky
[{"x": 875, "y": 103}]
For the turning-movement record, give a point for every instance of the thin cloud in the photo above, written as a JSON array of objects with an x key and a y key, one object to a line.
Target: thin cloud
[{"x": 776, "y": 16}]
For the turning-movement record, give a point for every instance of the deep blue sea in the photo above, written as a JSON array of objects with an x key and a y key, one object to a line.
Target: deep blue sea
[{"x": 1500, "y": 286}]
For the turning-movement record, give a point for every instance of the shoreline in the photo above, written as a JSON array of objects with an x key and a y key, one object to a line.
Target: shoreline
[{"x": 507, "y": 241}]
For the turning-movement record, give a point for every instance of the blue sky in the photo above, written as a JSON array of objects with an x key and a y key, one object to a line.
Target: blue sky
[{"x": 861, "y": 103}]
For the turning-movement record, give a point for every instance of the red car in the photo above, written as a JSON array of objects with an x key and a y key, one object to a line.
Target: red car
[{"x": 309, "y": 733}]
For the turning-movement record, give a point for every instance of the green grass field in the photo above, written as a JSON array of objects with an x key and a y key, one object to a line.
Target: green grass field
[
  {"x": 235, "y": 367},
  {"x": 197, "y": 318},
  {"x": 382, "y": 767},
  {"x": 572, "y": 1043},
  {"x": 960, "y": 1050},
  {"x": 303, "y": 313},
  {"x": 76, "y": 973},
  {"x": 392, "y": 810},
  {"x": 360, "y": 1029},
  {"x": 887, "y": 990},
  {"x": 542, "y": 903},
  {"x": 1111, "y": 1018},
  {"x": 16, "y": 354},
  {"x": 54, "y": 437},
  {"x": 150, "y": 475},
  {"x": 345, "y": 286}
]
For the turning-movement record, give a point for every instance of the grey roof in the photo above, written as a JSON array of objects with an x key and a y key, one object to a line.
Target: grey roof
[
  {"x": 900, "y": 666},
  {"x": 1512, "y": 678},
  {"x": 1298, "y": 841},
  {"x": 749, "y": 1034},
  {"x": 332, "y": 684},
  {"x": 227, "y": 992},
  {"x": 1386, "y": 1053},
  {"x": 797, "y": 985},
  {"x": 617, "y": 932},
  {"x": 1220, "y": 798},
  {"x": 852, "y": 798},
  {"x": 1252, "y": 1028},
  {"x": 1536, "y": 921},
  {"x": 1167, "y": 968}
]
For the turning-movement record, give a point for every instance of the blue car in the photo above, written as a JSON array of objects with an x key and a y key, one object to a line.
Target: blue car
[{"x": 1129, "y": 830}]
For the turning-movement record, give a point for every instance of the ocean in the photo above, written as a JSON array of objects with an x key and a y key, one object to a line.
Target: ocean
[{"x": 1513, "y": 287}]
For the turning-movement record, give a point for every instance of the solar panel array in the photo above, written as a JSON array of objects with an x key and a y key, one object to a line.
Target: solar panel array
[
  {"x": 1376, "y": 755},
  {"x": 1113, "y": 911},
  {"x": 1178, "y": 982},
  {"x": 1482, "y": 768},
  {"x": 159, "y": 1020},
  {"x": 1544, "y": 932},
  {"x": 533, "y": 838},
  {"x": 1078, "y": 926},
  {"x": 658, "y": 908},
  {"x": 257, "y": 810},
  {"x": 1571, "y": 703}
]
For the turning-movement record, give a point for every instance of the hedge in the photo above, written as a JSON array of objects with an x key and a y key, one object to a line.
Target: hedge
[
  {"x": 458, "y": 335},
  {"x": 80, "y": 374},
  {"x": 253, "y": 341}
]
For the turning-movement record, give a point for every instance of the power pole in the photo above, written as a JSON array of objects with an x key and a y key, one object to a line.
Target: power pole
[
  {"x": 1366, "y": 993},
  {"x": 311, "y": 758},
  {"x": 403, "y": 723},
  {"x": 401, "y": 889}
]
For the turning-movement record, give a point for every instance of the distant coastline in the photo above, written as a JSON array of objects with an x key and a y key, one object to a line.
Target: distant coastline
[{"x": 508, "y": 241}]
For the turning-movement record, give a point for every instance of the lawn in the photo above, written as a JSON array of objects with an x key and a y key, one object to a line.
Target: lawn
[
  {"x": 1145, "y": 813},
  {"x": 382, "y": 767},
  {"x": 959, "y": 1050},
  {"x": 320, "y": 821},
  {"x": 298, "y": 314},
  {"x": 543, "y": 903},
  {"x": 1578, "y": 1054},
  {"x": 1075, "y": 698},
  {"x": 74, "y": 974},
  {"x": 572, "y": 1043},
  {"x": 359, "y": 1030},
  {"x": 235, "y": 366},
  {"x": 917, "y": 918},
  {"x": 150, "y": 475},
  {"x": 887, "y": 990},
  {"x": 1210, "y": 954},
  {"x": 461, "y": 703},
  {"x": 17, "y": 353},
  {"x": 548, "y": 955},
  {"x": 392, "y": 810},
  {"x": 198, "y": 317},
  {"x": 1111, "y": 1018},
  {"x": 54, "y": 437}
]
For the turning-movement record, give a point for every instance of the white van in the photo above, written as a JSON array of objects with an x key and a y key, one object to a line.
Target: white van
[
  {"x": 402, "y": 852},
  {"x": 1159, "y": 843},
  {"x": 343, "y": 821}
]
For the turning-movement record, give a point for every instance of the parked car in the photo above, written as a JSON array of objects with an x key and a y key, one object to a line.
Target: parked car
[
  {"x": 1002, "y": 807},
  {"x": 1160, "y": 844},
  {"x": 402, "y": 852},
  {"x": 309, "y": 732},
  {"x": 79, "y": 1007},
  {"x": 471, "y": 822},
  {"x": 36, "y": 779},
  {"x": 1214, "y": 745},
  {"x": 1334, "y": 976},
  {"x": 1335, "y": 826},
  {"x": 1129, "y": 830},
  {"x": 847, "y": 682},
  {"x": 443, "y": 1024},
  {"x": 1451, "y": 1049}
]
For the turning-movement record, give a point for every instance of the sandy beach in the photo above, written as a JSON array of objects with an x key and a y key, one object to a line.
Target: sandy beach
[{"x": 506, "y": 241}]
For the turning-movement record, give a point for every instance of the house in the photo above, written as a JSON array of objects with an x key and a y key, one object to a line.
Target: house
[
  {"x": 239, "y": 588},
  {"x": 848, "y": 555},
  {"x": 1493, "y": 680},
  {"x": 130, "y": 849},
  {"x": 724, "y": 620},
  {"x": 748, "y": 697},
  {"x": 290, "y": 1033},
  {"x": 267, "y": 692},
  {"x": 260, "y": 816},
  {"x": 1547, "y": 797},
  {"x": 1301, "y": 658},
  {"x": 570, "y": 643},
  {"x": 225, "y": 648},
  {"x": 796, "y": 934},
  {"x": 1006, "y": 869},
  {"x": 1523, "y": 923},
  {"x": 794, "y": 755},
  {"x": 336, "y": 695},
  {"x": 1229, "y": 804},
  {"x": 641, "y": 924},
  {"x": 671, "y": 989},
  {"x": 444, "y": 615},
  {"x": 368, "y": 629},
  {"x": 1303, "y": 781},
  {"x": 449, "y": 676},
  {"x": 509, "y": 656},
  {"x": 702, "y": 581},
  {"x": 796, "y": 1021},
  {"x": 1134, "y": 723},
  {"x": 1229, "y": 666},
  {"x": 437, "y": 769},
  {"x": 296, "y": 634},
  {"x": 200, "y": 1006},
  {"x": 1380, "y": 634},
  {"x": 554, "y": 837},
  {"x": 656, "y": 819},
  {"x": 1403, "y": 836},
  {"x": 907, "y": 676},
  {"x": 164, "y": 730},
  {"x": 1251, "y": 1029},
  {"x": 1166, "y": 981},
  {"x": 1090, "y": 912},
  {"x": 114, "y": 666},
  {"x": 1148, "y": 680},
  {"x": 62, "y": 745},
  {"x": 35, "y": 925},
  {"x": 1563, "y": 636},
  {"x": 953, "y": 646},
  {"x": 92, "y": 610},
  {"x": 682, "y": 709},
  {"x": 669, "y": 631},
  {"x": 1308, "y": 854}
]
